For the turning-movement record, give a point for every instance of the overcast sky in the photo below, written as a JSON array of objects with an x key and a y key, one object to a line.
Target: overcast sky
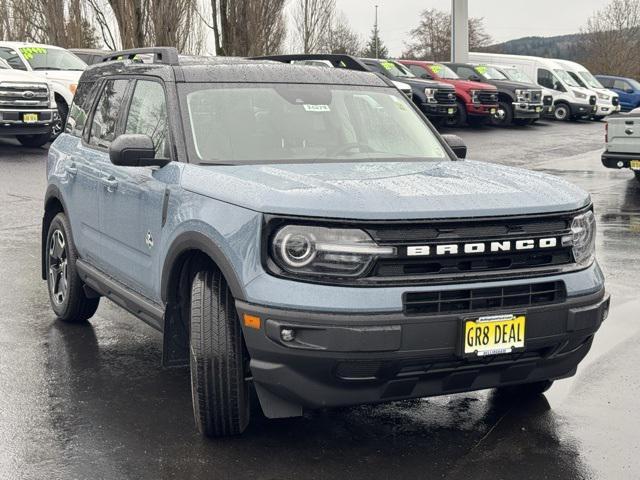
[{"x": 504, "y": 19}]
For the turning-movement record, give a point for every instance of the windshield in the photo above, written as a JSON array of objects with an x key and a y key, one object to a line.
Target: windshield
[
  {"x": 443, "y": 71},
  {"x": 516, "y": 75},
  {"x": 395, "y": 69},
  {"x": 566, "y": 78},
  {"x": 4, "y": 64},
  {"x": 41, "y": 58},
  {"x": 283, "y": 123},
  {"x": 490, "y": 73},
  {"x": 590, "y": 80}
]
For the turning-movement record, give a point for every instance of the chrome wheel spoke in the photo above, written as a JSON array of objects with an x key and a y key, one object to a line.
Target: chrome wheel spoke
[{"x": 58, "y": 281}]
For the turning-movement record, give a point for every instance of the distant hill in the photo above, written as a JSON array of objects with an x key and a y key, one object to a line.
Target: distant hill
[{"x": 567, "y": 47}]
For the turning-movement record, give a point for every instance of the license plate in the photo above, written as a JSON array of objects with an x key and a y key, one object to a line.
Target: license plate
[
  {"x": 29, "y": 117},
  {"x": 450, "y": 111},
  {"x": 538, "y": 109},
  {"x": 634, "y": 164},
  {"x": 493, "y": 335}
]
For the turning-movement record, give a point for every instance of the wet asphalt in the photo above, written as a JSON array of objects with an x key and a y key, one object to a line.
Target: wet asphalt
[{"x": 92, "y": 402}]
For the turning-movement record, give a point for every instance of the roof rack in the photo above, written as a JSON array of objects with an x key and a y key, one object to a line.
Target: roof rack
[
  {"x": 336, "y": 59},
  {"x": 162, "y": 55}
]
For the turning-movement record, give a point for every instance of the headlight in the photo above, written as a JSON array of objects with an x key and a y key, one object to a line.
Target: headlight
[
  {"x": 579, "y": 94},
  {"x": 431, "y": 94},
  {"x": 336, "y": 252},
  {"x": 523, "y": 95},
  {"x": 52, "y": 97},
  {"x": 603, "y": 96},
  {"x": 475, "y": 96},
  {"x": 582, "y": 238}
]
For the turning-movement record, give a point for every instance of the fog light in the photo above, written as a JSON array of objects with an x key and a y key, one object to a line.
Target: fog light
[{"x": 287, "y": 335}]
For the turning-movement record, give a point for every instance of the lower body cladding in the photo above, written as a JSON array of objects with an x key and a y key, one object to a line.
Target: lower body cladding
[
  {"x": 308, "y": 360},
  {"x": 438, "y": 109},
  {"x": 527, "y": 110}
]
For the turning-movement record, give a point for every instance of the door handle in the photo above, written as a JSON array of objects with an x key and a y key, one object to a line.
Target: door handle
[
  {"x": 111, "y": 183},
  {"x": 71, "y": 170},
  {"x": 629, "y": 131}
]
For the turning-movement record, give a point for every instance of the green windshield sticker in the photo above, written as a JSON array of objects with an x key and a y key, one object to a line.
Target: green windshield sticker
[
  {"x": 436, "y": 68},
  {"x": 29, "y": 52},
  {"x": 481, "y": 69},
  {"x": 388, "y": 65},
  {"x": 316, "y": 108}
]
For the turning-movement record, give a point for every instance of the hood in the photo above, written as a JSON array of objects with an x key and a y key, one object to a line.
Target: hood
[
  {"x": 65, "y": 77},
  {"x": 512, "y": 85},
  {"x": 422, "y": 84},
  {"x": 19, "y": 76},
  {"x": 386, "y": 190},
  {"x": 470, "y": 84}
]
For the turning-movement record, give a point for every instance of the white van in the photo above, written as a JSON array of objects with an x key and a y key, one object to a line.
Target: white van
[
  {"x": 608, "y": 100},
  {"x": 55, "y": 65},
  {"x": 570, "y": 99}
]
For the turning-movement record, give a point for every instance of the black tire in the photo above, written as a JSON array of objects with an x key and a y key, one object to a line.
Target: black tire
[
  {"x": 637, "y": 176},
  {"x": 526, "y": 390},
  {"x": 522, "y": 122},
  {"x": 460, "y": 118},
  {"x": 597, "y": 118},
  {"x": 562, "y": 112},
  {"x": 503, "y": 116},
  {"x": 219, "y": 391},
  {"x": 66, "y": 295},
  {"x": 60, "y": 119},
  {"x": 34, "y": 141}
]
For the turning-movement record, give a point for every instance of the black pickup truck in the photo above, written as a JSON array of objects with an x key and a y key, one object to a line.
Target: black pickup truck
[{"x": 436, "y": 100}]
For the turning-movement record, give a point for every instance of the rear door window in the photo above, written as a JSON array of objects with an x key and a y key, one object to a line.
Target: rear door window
[{"x": 105, "y": 118}]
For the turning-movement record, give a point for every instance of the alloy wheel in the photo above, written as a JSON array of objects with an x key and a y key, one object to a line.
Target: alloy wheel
[{"x": 58, "y": 279}]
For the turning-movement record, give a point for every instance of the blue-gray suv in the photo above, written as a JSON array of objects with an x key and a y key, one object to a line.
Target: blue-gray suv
[{"x": 306, "y": 232}]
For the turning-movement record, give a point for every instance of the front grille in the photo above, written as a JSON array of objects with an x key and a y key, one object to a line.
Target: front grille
[
  {"x": 615, "y": 101},
  {"x": 482, "y": 299},
  {"x": 488, "y": 97},
  {"x": 446, "y": 96},
  {"x": 23, "y": 95},
  {"x": 536, "y": 96},
  {"x": 547, "y": 100},
  {"x": 592, "y": 100}
]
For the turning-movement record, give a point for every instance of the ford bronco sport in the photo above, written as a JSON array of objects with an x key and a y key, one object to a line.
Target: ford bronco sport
[{"x": 307, "y": 232}]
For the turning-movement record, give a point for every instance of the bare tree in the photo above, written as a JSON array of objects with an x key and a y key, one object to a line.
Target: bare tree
[
  {"x": 341, "y": 38},
  {"x": 312, "y": 23},
  {"x": 611, "y": 39},
  {"x": 431, "y": 39}
]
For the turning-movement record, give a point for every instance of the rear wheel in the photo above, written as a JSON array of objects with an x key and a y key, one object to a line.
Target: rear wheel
[
  {"x": 66, "y": 295},
  {"x": 526, "y": 390},
  {"x": 503, "y": 116},
  {"x": 218, "y": 358},
  {"x": 33, "y": 141},
  {"x": 562, "y": 112}
]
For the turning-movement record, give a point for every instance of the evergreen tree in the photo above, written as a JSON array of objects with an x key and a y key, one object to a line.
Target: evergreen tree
[{"x": 370, "y": 49}]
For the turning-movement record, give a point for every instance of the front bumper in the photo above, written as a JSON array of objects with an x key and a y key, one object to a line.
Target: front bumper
[
  {"x": 604, "y": 110},
  {"x": 619, "y": 160},
  {"x": 582, "y": 109},
  {"x": 348, "y": 359},
  {"x": 12, "y": 122},
  {"x": 481, "y": 109},
  {"x": 438, "y": 109},
  {"x": 527, "y": 110}
]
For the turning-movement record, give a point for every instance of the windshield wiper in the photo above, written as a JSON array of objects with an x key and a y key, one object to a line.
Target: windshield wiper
[{"x": 46, "y": 68}]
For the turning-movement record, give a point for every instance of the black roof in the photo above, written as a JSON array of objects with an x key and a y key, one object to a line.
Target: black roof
[{"x": 170, "y": 66}]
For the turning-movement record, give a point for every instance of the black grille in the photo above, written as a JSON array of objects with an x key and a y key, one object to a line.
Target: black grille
[
  {"x": 447, "y": 97},
  {"x": 615, "y": 101},
  {"x": 23, "y": 95},
  {"x": 592, "y": 100},
  {"x": 536, "y": 96},
  {"x": 480, "y": 299},
  {"x": 547, "y": 100},
  {"x": 488, "y": 98}
]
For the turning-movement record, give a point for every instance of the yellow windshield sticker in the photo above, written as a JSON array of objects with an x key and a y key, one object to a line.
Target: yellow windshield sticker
[
  {"x": 29, "y": 52},
  {"x": 481, "y": 69},
  {"x": 388, "y": 65},
  {"x": 436, "y": 68}
]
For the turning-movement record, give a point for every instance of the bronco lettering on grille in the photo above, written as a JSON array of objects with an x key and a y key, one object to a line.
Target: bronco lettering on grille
[{"x": 482, "y": 247}]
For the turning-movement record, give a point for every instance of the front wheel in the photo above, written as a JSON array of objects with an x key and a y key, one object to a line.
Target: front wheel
[
  {"x": 562, "y": 112},
  {"x": 59, "y": 120},
  {"x": 503, "y": 116},
  {"x": 33, "y": 141},
  {"x": 218, "y": 358},
  {"x": 66, "y": 295}
]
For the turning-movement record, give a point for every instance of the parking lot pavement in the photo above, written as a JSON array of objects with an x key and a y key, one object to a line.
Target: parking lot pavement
[{"x": 92, "y": 401}]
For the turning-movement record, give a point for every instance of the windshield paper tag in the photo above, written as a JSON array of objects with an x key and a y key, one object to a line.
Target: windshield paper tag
[
  {"x": 29, "y": 52},
  {"x": 481, "y": 69},
  {"x": 436, "y": 68},
  {"x": 316, "y": 108}
]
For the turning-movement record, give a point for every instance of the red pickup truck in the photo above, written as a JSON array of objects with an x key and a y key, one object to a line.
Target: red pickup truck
[{"x": 476, "y": 101}]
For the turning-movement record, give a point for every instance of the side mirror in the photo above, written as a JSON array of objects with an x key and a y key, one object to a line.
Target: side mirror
[
  {"x": 135, "y": 150},
  {"x": 475, "y": 78},
  {"x": 456, "y": 144},
  {"x": 426, "y": 76},
  {"x": 629, "y": 90}
]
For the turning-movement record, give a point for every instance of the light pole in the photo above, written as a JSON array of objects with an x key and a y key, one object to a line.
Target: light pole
[
  {"x": 460, "y": 31},
  {"x": 375, "y": 29}
]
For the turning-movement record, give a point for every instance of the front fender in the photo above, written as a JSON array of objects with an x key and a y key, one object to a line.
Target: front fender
[{"x": 62, "y": 90}]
